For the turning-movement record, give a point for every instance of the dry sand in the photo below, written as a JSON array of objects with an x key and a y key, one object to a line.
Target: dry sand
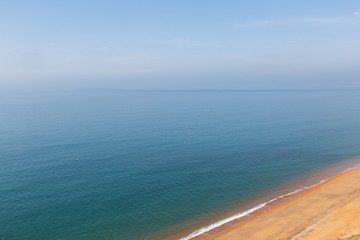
[{"x": 327, "y": 211}]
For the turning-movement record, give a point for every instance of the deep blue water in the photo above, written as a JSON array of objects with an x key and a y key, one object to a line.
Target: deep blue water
[{"x": 130, "y": 164}]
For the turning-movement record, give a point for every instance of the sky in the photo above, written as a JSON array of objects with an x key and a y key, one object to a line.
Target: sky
[{"x": 187, "y": 44}]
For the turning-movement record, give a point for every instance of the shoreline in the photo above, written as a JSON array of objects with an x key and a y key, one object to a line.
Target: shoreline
[{"x": 221, "y": 227}]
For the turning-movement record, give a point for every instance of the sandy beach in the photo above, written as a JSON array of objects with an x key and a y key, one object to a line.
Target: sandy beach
[{"x": 330, "y": 210}]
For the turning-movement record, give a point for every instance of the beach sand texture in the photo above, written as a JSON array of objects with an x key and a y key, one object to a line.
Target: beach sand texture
[{"x": 327, "y": 211}]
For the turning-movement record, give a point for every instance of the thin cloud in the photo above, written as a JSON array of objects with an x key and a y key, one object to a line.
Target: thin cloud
[
  {"x": 292, "y": 21},
  {"x": 188, "y": 42},
  {"x": 104, "y": 48},
  {"x": 183, "y": 42}
]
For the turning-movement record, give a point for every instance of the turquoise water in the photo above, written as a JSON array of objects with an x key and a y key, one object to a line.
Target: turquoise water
[{"x": 131, "y": 164}]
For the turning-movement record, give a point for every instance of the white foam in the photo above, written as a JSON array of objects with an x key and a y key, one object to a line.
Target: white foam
[{"x": 251, "y": 210}]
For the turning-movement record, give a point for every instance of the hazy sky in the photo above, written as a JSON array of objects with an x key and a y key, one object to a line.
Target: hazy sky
[{"x": 184, "y": 44}]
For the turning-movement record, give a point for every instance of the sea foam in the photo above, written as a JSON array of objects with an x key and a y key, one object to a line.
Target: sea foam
[{"x": 259, "y": 206}]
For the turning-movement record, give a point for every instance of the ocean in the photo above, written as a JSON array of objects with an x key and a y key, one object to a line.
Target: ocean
[{"x": 131, "y": 165}]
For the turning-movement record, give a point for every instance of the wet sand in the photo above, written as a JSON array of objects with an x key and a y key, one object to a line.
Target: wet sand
[{"x": 330, "y": 210}]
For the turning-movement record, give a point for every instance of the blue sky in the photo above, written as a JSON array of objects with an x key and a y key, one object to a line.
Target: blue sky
[{"x": 197, "y": 44}]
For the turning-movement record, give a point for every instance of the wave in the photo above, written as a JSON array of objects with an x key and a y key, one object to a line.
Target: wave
[{"x": 261, "y": 205}]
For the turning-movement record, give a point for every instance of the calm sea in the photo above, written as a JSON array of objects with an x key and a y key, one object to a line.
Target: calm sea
[{"x": 132, "y": 165}]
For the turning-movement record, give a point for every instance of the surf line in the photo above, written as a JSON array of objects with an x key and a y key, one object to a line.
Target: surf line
[{"x": 259, "y": 206}]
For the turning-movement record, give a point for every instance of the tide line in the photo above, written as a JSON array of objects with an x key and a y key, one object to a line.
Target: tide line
[{"x": 259, "y": 206}]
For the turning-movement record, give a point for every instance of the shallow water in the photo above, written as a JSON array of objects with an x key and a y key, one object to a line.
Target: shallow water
[{"x": 130, "y": 164}]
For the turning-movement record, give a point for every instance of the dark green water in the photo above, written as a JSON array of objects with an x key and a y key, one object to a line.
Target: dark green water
[{"x": 127, "y": 165}]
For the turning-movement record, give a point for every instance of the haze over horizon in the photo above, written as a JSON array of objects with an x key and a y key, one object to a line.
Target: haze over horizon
[{"x": 180, "y": 45}]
